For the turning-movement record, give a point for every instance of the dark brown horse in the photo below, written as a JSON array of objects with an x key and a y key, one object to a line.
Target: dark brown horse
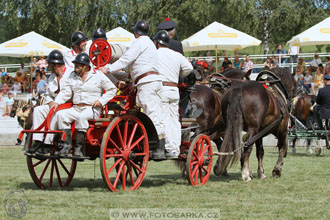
[
  {"x": 302, "y": 112},
  {"x": 259, "y": 111}
]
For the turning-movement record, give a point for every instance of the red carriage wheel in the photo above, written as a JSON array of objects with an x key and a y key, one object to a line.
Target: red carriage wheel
[
  {"x": 199, "y": 160},
  {"x": 124, "y": 153},
  {"x": 100, "y": 52},
  {"x": 48, "y": 172}
]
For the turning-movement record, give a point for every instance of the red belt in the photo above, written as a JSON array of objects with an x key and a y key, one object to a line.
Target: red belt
[
  {"x": 144, "y": 75},
  {"x": 82, "y": 105},
  {"x": 170, "y": 84}
]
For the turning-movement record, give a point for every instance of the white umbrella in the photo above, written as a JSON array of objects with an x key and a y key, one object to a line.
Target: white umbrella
[
  {"x": 218, "y": 36},
  {"x": 319, "y": 34},
  {"x": 118, "y": 36},
  {"x": 30, "y": 44}
]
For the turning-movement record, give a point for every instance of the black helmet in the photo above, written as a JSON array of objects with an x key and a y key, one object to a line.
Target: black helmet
[
  {"x": 55, "y": 57},
  {"x": 162, "y": 38},
  {"x": 82, "y": 58},
  {"x": 77, "y": 37},
  {"x": 99, "y": 34},
  {"x": 141, "y": 27}
]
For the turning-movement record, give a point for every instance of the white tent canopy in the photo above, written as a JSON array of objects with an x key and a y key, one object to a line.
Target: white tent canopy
[
  {"x": 319, "y": 34},
  {"x": 217, "y": 36},
  {"x": 118, "y": 36},
  {"x": 30, "y": 44}
]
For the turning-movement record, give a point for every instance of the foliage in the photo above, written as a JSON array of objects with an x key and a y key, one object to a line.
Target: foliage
[{"x": 273, "y": 21}]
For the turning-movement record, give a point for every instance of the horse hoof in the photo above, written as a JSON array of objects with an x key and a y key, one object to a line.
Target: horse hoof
[
  {"x": 318, "y": 151},
  {"x": 276, "y": 173},
  {"x": 262, "y": 176},
  {"x": 246, "y": 178}
]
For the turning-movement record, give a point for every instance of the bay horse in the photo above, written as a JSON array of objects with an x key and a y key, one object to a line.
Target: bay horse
[
  {"x": 208, "y": 100},
  {"x": 259, "y": 109},
  {"x": 302, "y": 111}
]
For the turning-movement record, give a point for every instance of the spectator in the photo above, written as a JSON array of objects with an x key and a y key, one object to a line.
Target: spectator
[
  {"x": 42, "y": 63},
  {"x": 10, "y": 81},
  {"x": 213, "y": 66},
  {"x": 43, "y": 71},
  {"x": 226, "y": 64},
  {"x": 19, "y": 76},
  {"x": 22, "y": 69},
  {"x": 9, "y": 103},
  {"x": 315, "y": 63},
  {"x": 247, "y": 65},
  {"x": 274, "y": 62},
  {"x": 236, "y": 62},
  {"x": 41, "y": 85},
  {"x": 209, "y": 59},
  {"x": 301, "y": 65},
  {"x": 268, "y": 63},
  {"x": 294, "y": 52},
  {"x": 308, "y": 79},
  {"x": 326, "y": 69},
  {"x": 16, "y": 87},
  {"x": 281, "y": 52},
  {"x": 318, "y": 79},
  {"x": 25, "y": 82},
  {"x": 5, "y": 88},
  {"x": 299, "y": 77},
  {"x": 3, "y": 72}
]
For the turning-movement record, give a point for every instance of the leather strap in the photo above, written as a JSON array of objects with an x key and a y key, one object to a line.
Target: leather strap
[
  {"x": 144, "y": 75},
  {"x": 170, "y": 84}
]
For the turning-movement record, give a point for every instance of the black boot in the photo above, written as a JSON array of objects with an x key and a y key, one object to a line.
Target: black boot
[
  {"x": 35, "y": 147},
  {"x": 79, "y": 149},
  {"x": 66, "y": 145},
  {"x": 159, "y": 153}
]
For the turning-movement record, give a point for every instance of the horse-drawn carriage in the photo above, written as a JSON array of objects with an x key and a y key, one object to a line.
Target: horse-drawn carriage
[
  {"x": 304, "y": 124},
  {"x": 123, "y": 137}
]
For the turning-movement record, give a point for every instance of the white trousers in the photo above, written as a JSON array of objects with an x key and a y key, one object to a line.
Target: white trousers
[
  {"x": 170, "y": 106},
  {"x": 39, "y": 115},
  {"x": 148, "y": 97},
  {"x": 80, "y": 115}
]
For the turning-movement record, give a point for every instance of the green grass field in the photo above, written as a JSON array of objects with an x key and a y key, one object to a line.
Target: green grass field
[{"x": 303, "y": 191}]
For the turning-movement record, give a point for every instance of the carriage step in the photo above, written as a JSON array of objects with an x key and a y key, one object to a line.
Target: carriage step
[{"x": 188, "y": 120}]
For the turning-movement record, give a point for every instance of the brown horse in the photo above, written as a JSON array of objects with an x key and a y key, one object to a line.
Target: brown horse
[
  {"x": 259, "y": 111},
  {"x": 302, "y": 112},
  {"x": 207, "y": 100}
]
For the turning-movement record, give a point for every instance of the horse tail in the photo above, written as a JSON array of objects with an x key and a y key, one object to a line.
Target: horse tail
[{"x": 234, "y": 126}]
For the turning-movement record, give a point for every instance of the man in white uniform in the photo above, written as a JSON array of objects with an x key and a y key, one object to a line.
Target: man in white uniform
[
  {"x": 78, "y": 42},
  {"x": 143, "y": 58},
  {"x": 56, "y": 81},
  {"x": 87, "y": 87},
  {"x": 172, "y": 65}
]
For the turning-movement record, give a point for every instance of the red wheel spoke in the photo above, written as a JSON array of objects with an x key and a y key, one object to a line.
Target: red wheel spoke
[
  {"x": 193, "y": 173},
  {"x": 39, "y": 162},
  {"x": 136, "y": 166},
  {"x": 136, "y": 142},
  {"x": 44, "y": 171},
  {"x": 195, "y": 155},
  {"x": 64, "y": 167},
  {"x": 113, "y": 166},
  {"x": 196, "y": 176},
  {"x": 51, "y": 175},
  {"x": 58, "y": 174},
  {"x": 193, "y": 163},
  {"x": 125, "y": 133},
  {"x": 132, "y": 134},
  {"x": 116, "y": 146},
  {"x": 118, "y": 173},
  {"x": 113, "y": 155},
  {"x": 140, "y": 154},
  {"x": 205, "y": 149},
  {"x": 206, "y": 171},
  {"x": 129, "y": 170},
  {"x": 200, "y": 174},
  {"x": 201, "y": 147},
  {"x": 124, "y": 177},
  {"x": 120, "y": 137}
]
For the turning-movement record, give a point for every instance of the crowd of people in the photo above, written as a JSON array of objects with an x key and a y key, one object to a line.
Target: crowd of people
[{"x": 312, "y": 78}]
